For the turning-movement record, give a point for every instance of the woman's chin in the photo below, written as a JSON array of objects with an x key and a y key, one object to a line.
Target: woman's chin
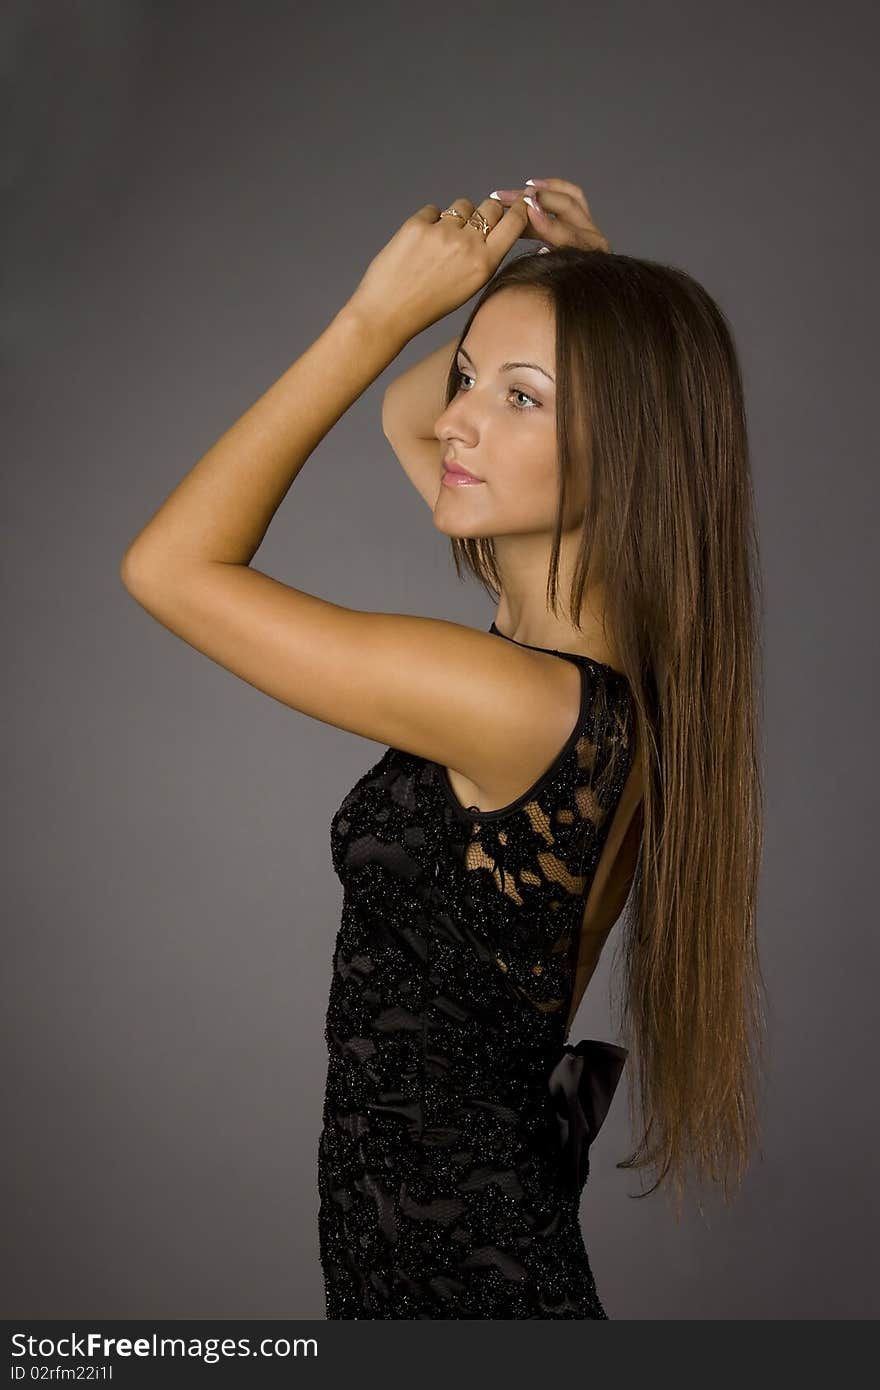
[
  {"x": 453, "y": 520},
  {"x": 456, "y": 530}
]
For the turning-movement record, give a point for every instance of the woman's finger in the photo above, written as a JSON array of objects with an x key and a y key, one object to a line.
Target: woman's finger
[
  {"x": 558, "y": 213},
  {"x": 491, "y": 209},
  {"x": 562, "y": 205},
  {"x": 462, "y": 205},
  {"x": 512, "y": 225},
  {"x": 573, "y": 226},
  {"x": 507, "y": 195},
  {"x": 563, "y": 186},
  {"x": 543, "y": 215}
]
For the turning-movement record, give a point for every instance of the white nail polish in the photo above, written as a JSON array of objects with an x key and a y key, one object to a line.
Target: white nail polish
[
  {"x": 530, "y": 181},
  {"x": 532, "y": 203},
  {"x": 495, "y": 196}
]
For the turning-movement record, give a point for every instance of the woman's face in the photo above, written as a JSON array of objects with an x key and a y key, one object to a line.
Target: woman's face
[{"x": 501, "y": 423}]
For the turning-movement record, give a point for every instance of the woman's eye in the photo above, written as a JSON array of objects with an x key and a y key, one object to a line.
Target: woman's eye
[{"x": 514, "y": 391}]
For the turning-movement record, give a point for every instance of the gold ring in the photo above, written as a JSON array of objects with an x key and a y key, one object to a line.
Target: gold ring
[{"x": 477, "y": 220}]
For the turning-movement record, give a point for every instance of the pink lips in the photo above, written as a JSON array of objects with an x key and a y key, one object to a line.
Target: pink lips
[{"x": 456, "y": 476}]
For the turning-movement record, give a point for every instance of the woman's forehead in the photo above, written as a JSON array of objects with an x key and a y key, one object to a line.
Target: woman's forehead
[{"x": 520, "y": 326}]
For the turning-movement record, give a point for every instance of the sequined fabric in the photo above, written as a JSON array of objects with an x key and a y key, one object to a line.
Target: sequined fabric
[{"x": 446, "y": 1190}]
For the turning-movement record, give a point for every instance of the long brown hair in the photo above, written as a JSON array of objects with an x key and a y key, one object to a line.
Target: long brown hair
[{"x": 650, "y": 402}]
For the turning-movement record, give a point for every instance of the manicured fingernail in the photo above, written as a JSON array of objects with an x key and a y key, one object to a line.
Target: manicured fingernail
[
  {"x": 496, "y": 195},
  {"x": 538, "y": 183},
  {"x": 533, "y": 203}
]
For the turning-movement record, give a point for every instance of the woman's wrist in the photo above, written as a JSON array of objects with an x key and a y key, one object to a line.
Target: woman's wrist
[{"x": 376, "y": 322}]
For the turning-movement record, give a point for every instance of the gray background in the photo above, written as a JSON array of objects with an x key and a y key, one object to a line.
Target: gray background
[{"x": 191, "y": 191}]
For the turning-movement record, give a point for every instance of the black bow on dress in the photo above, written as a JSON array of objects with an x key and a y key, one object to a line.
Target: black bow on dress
[{"x": 582, "y": 1085}]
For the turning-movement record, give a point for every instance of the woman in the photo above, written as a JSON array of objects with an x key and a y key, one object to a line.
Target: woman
[{"x": 592, "y": 440}]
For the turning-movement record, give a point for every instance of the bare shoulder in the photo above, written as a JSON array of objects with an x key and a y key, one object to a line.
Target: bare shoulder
[{"x": 452, "y": 694}]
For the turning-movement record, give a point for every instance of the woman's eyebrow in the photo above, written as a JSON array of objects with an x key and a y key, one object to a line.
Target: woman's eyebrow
[{"x": 507, "y": 366}]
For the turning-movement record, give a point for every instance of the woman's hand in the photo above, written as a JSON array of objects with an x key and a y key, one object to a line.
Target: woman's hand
[
  {"x": 433, "y": 264},
  {"x": 571, "y": 223}
]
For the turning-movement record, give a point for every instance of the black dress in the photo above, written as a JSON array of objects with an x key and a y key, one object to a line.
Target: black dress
[{"x": 456, "y": 1119}]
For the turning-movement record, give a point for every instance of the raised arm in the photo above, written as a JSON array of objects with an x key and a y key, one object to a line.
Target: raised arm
[
  {"x": 429, "y": 687},
  {"x": 410, "y": 406}
]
